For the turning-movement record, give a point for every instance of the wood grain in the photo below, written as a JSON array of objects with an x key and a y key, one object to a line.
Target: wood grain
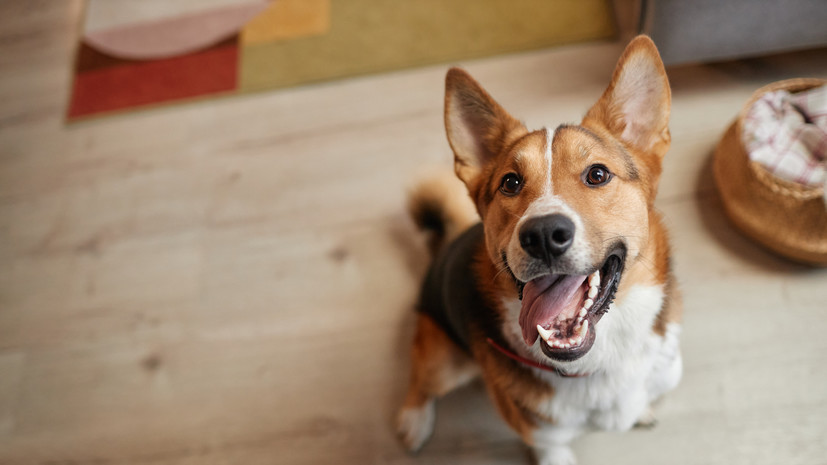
[{"x": 231, "y": 281}]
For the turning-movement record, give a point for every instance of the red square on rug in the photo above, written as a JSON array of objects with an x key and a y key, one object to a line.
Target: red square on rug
[{"x": 105, "y": 84}]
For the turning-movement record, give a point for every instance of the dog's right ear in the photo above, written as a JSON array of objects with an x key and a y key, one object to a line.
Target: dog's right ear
[{"x": 478, "y": 127}]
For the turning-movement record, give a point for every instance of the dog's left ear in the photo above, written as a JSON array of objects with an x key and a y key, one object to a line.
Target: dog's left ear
[{"x": 635, "y": 106}]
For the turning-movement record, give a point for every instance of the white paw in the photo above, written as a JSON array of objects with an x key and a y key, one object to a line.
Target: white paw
[
  {"x": 559, "y": 455},
  {"x": 616, "y": 419},
  {"x": 415, "y": 425},
  {"x": 647, "y": 420}
]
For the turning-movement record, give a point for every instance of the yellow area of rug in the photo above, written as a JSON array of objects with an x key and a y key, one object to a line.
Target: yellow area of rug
[{"x": 338, "y": 38}]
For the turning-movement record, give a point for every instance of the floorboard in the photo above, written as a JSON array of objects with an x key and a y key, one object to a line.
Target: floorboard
[{"x": 232, "y": 281}]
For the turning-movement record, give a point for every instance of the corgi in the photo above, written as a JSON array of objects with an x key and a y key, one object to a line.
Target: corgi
[{"x": 554, "y": 284}]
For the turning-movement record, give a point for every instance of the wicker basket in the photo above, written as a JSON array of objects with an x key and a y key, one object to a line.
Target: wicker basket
[{"x": 788, "y": 218}]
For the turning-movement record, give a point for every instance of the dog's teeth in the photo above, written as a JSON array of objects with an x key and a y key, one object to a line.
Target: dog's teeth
[
  {"x": 594, "y": 279},
  {"x": 592, "y": 292},
  {"x": 585, "y": 327},
  {"x": 588, "y": 303},
  {"x": 544, "y": 333},
  {"x": 583, "y": 312}
]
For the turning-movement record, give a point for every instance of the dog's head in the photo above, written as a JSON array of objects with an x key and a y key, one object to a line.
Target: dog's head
[{"x": 566, "y": 209}]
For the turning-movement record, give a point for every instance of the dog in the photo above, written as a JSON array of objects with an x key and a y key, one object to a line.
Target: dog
[{"x": 554, "y": 284}]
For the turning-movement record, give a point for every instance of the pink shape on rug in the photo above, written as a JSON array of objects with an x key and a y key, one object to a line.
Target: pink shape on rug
[{"x": 175, "y": 36}]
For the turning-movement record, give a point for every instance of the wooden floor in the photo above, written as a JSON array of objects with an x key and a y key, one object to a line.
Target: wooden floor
[{"x": 231, "y": 282}]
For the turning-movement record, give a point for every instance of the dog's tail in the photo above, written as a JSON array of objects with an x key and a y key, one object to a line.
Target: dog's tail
[{"x": 440, "y": 205}]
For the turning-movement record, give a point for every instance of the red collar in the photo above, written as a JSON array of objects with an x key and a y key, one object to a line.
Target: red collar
[{"x": 532, "y": 363}]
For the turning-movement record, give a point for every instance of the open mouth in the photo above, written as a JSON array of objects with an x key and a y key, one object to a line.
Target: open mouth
[{"x": 564, "y": 309}]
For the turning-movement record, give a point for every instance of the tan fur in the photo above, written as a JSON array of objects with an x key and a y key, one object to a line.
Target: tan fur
[
  {"x": 501, "y": 215},
  {"x": 514, "y": 389},
  {"x": 494, "y": 126},
  {"x": 630, "y": 143},
  {"x": 439, "y": 366},
  {"x": 445, "y": 196},
  {"x": 607, "y": 115}
]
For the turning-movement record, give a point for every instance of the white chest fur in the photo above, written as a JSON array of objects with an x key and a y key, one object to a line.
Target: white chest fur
[{"x": 629, "y": 365}]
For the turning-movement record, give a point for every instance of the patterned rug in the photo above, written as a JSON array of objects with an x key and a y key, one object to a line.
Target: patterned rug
[{"x": 138, "y": 54}]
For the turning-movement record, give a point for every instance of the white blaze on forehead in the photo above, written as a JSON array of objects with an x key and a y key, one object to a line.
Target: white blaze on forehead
[
  {"x": 579, "y": 255},
  {"x": 549, "y": 137}
]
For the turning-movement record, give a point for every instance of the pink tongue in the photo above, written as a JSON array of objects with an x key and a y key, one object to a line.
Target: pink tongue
[{"x": 544, "y": 299}]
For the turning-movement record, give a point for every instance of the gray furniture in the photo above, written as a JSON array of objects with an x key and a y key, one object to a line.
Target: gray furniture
[{"x": 711, "y": 30}]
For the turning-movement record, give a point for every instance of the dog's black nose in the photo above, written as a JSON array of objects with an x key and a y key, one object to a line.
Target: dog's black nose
[{"x": 547, "y": 237}]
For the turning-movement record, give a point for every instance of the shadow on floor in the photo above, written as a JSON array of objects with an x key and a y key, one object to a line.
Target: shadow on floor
[{"x": 713, "y": 217}]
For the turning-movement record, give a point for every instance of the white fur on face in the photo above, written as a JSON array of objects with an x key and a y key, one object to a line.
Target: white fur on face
[
  {"x": 547, "y": 189},
  {"x": 577, "y": 260}
]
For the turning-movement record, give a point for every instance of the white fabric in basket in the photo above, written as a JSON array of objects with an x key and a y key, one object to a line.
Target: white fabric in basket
[{"x": 787, "y": 133}]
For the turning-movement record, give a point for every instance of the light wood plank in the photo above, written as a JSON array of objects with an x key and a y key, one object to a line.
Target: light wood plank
[{"x": 232, "y": 281}]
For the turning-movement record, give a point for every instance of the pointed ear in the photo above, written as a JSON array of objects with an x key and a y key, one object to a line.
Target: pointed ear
[
  {"x": 478, "y": 128},
  {"x": 635, "y": 106}
]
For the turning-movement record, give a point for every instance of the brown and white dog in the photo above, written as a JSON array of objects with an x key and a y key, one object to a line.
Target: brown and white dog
[{"x": 562, "y": 299}]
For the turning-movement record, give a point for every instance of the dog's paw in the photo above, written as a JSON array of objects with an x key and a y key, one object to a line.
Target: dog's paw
[
  {"x": 559, "y": 455},
  {"x": 647, "y": 420},
  {"x": 415, "y": 425}
]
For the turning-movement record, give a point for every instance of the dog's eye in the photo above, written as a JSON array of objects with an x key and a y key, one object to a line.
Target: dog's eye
[
  {"x": 597, "y": 175},
  {"x": 511, "y": 184}
]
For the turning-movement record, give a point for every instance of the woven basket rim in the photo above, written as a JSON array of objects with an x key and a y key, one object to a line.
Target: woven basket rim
[
  {"x": 753, "y": 208},
  {"x": 770, "y": 181}
]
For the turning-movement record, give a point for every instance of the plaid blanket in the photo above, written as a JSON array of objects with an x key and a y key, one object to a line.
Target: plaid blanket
[{"x": 787, "y": 133}]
